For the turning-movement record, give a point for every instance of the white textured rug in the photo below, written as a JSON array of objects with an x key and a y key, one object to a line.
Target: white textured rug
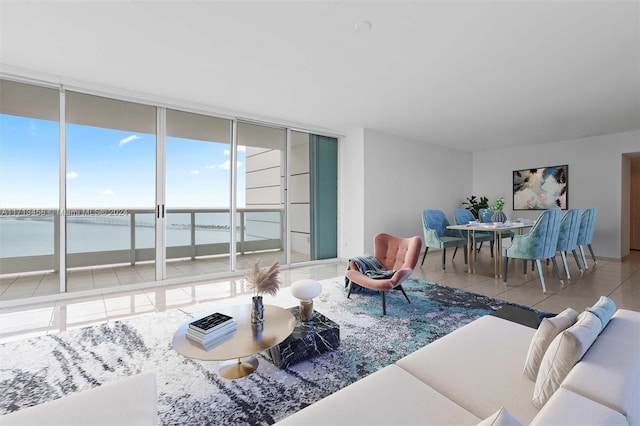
[{"x": 191, "y": 392}]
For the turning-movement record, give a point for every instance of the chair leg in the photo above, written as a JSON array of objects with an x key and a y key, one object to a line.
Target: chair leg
[
  {"x": 465, "y": 256},
  {"x": 575, "y": 256},
  {"x": 403, "y": 292},
  {"x": 584, "y": 258},
  {"x": 506, "y": 267},
  {"x": 491, "y": 247},
  {"x": 566, "y": 265},
  {"x": 525, "y": 267},
  {"x": 555, "y": 266},
  {"x": 384, "y": 302},
  {"x": 544, "y": 288},
  {"x": 444, "y": 258},
  {"x": 426, "y": 249},
  {"x": 454, "y": 253},
  {"x": 595, "y": 261}
]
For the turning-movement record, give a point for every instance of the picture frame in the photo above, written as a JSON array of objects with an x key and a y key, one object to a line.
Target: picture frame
[{"x": 541, "y": 188}]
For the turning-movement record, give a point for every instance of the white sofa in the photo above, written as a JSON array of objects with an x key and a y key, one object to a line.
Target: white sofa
[
  {"x": 468, "y": 375},
  {"x": 130, "y": 401}
]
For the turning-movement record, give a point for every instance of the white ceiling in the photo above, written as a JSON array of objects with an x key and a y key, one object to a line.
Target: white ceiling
[{"x": 471, "y": 75}]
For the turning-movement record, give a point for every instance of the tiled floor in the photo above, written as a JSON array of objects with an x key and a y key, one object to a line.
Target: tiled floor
[{"x": 618, "y": 280}]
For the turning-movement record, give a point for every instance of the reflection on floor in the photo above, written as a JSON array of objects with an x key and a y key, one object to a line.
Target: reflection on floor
[{"x": 618, "y": 280}]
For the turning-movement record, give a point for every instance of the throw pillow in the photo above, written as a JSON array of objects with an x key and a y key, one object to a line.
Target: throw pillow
[
  {"x": 502, "y": 417},
  {"x": 603, "y": 309},
  {"x": 563, "y": 353},
  {"x": 548, "y": 329}
]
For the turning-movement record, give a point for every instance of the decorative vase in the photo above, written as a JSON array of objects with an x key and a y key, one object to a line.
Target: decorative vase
[
  {"x": 257, "y": 310},
  {"x": 499, "y": 216}
]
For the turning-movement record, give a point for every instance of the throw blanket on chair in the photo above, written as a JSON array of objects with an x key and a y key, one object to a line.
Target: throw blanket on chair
[{"x": 369, "y": 266}]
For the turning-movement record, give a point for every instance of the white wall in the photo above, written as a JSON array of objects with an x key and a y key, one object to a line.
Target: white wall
[
  {"x": 387, "y": 181},
  {"x": 595, "y": 180},
  {"x": 351, "y": 194}
]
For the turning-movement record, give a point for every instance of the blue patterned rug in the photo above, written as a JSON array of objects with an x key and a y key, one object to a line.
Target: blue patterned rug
[{"x": 191, "y": 392}]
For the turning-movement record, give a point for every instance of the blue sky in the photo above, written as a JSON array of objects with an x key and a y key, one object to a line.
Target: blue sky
[{"x": 109, "y": 168}]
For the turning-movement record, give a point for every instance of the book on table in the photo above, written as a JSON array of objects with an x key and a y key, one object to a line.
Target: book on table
[
  {"x": 211, "y": 323},
  {"x": 208, "y": 341}
]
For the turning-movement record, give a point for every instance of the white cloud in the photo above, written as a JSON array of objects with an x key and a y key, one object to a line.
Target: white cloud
[
  {"x": 210, "y": 166},
  {"x": 226, "y": 152},
  {"x": 128, "y": 139},
  {"x": 227, "y": 164},
  {"x": 72, "y": 175},
  {"x": 195, "y": 172},
  {"x": 107, "y": 192}
]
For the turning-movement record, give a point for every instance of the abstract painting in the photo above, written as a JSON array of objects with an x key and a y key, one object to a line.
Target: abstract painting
[{"x": 541, "y": 189}]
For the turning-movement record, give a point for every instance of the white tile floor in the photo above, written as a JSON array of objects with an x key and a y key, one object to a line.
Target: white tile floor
[{"x": 618, "y": 280}]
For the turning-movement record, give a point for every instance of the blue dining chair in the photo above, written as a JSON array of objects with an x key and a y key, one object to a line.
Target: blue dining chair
[
  {"x": 585, "y": 236},
  {"x": 568, "y": 237},
  {"x": 436, "y": 234},
  {"x": 537, "y": 244},
  {"x": 463, "y": 217}
]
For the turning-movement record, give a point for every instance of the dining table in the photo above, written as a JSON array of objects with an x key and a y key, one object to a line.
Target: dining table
[{"x": 498, "y": 228}]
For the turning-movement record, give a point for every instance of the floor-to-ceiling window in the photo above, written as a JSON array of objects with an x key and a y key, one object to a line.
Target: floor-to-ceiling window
[
  {"x": 198, "y": 170},
  {"x": 114, "y": 193},
  {"x": 29, "y": 159},
  {"x": 110, "y": 189}
]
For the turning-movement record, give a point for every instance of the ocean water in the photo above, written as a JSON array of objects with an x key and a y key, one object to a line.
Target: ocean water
[{"x": 36, "y": 237}]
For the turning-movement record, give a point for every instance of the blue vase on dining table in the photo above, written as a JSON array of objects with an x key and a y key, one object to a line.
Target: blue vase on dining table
[{"x": 499, "y": 216}]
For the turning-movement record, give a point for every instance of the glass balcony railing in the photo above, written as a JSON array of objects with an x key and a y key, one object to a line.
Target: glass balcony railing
[{"x": 29, "y": 239}]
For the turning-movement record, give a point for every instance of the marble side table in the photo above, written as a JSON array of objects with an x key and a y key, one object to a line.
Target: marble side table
[{"x": 307, "y": 340}]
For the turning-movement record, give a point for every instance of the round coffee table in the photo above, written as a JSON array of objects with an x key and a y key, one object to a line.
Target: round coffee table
[{"x": 246, "y": 341}]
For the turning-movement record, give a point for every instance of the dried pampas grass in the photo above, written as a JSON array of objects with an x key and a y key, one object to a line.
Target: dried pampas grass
[{"x": 264, "y": 280}]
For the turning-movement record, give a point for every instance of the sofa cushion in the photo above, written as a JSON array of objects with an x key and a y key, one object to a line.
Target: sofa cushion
[
  {"x": 563, "y": 353},
  {"x": 390, "y": 396},
  {"x": 479, "y": 367},
  {"x": 502, "y": 417},
  {"x": 547, "y": 331},
  {"x": 130, "y": 401},
  {"x": 613, "y": 362},
  {"x": 566, "y": 408},
  {"x": 603, "y": 309}
]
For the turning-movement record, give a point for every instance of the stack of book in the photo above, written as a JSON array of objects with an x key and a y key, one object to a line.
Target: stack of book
[{"x": 211, "y": 330}]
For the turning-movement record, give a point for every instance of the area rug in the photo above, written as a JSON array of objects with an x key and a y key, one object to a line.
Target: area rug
[{"x": 191, "y": 392}]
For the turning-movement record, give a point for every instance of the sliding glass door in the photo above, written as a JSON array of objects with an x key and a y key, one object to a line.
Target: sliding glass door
[
  {"x": 29, "y": 213},
  {"x": 198, "y": 170},
  {"x": 110, "y": 187},
  {"x": 260, "y": 195}
]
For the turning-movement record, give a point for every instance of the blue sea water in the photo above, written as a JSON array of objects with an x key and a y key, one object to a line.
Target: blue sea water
[{"x": 36, "y": 237}]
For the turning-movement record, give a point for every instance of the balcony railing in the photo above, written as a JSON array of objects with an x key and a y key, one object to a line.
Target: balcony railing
[{"x": 97, "y": 237}]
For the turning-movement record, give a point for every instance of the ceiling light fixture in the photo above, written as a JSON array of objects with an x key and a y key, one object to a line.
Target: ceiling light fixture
[{"x": 362, "y": 26}]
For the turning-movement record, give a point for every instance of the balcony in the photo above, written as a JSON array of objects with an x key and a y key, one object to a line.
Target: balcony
[{"x": 115, "y": 249}]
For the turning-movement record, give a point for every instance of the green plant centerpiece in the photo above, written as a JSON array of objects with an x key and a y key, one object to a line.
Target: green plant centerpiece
[
  {"x": 474, "y": 205},
  {"x": 262, "y": 280},
  {"x": 498, "y": 214}
]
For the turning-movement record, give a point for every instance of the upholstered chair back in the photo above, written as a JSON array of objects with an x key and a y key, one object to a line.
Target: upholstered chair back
[
  {"x": 485, "y": 215},
  {"x": 541, "y": 241},
  {"x": 395, "y": 253},
  {"x": 569, "y": 229},
  {"x": 462, "y": 216},
  {"x": 436, "y": 220},
  {"x": 587, "y": 226}
]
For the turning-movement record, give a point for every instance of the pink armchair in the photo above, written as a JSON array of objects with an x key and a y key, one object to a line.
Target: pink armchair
[{"x": 394, "y": 254}]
